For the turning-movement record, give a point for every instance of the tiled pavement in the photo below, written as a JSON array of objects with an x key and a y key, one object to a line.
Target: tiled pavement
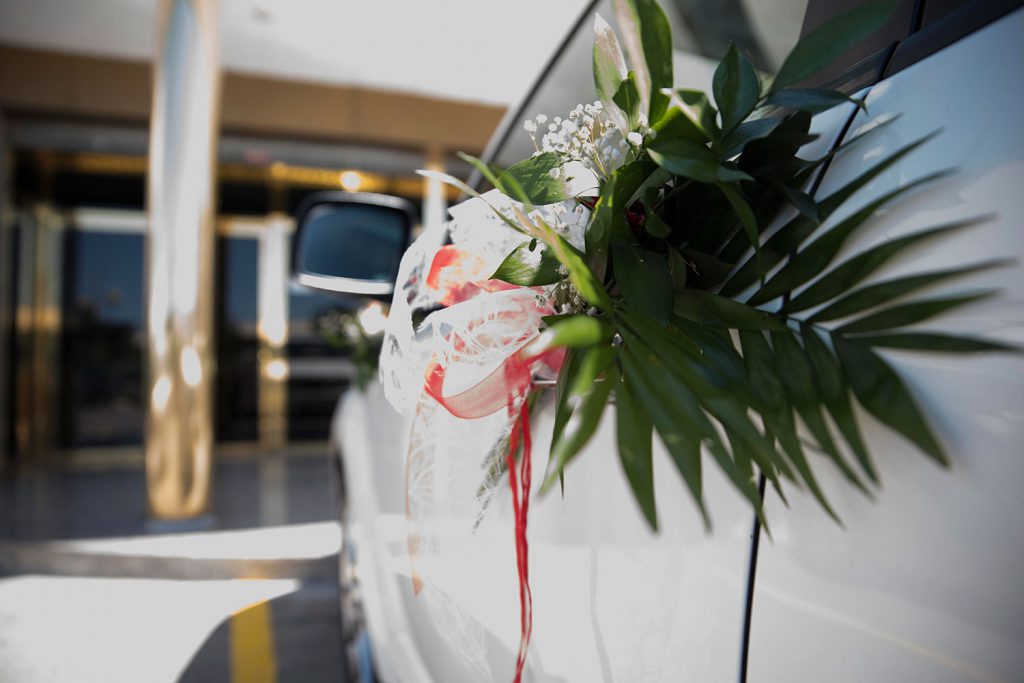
[{"x": 91, "y": 590}]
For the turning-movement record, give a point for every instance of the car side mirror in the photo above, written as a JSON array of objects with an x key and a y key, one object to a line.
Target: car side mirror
[{"x": 351, "y": 242}]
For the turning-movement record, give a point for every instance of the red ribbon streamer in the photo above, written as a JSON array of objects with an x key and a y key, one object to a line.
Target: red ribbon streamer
[
  {"x": 520, "y": 510},
  {"x": 506, "y": 386}
]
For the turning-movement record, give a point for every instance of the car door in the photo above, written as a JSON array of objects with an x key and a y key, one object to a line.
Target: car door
[
  {"x": 922, "y": 583},
  {"x": 612, "y": 600}
]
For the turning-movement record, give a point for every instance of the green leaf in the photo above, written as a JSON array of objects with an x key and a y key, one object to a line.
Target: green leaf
[
  {"x": 761, "y": 363},
  {"x": 696, "y": 107},
  {"x": 577, "y": 331},
  {"x": 833, "y": 389},
  {"x": 656, "y": 227},
  {"x": 797, "y": 376},
  {"x": 843, "y": 277},
  {"x": 649, "y": 32},
  {"x": 634, "y": 432},
  {"x": 563, "y": 385},
  {"x": 931, "y": 341},
  {"x": 609, "y": 214},
  {"x": 728, "y": 173},
  {"x": 813, "y": 100},
  {"x": 714, "y": 374},
  {"x": 711, "y": 309},
  {"x": 530, "y": 268},
  {"x": 884, "y": 292},
  {"x": 692, "y": 160},
  {"x": 530, "y": 181},
  {"x": 709, "y": 269},
  {"x": 586, "y": 401},
  {"x": 485, "y": 170},
  {"x": 716, "y": 347},
  {"x": 463, "y": 187},
  {"x": 629, "y": 28},
  {"x": 668, "y": 403},
  {"x": 764, "y": 382},
  {"x": 790, "y": 236},
  {"x": 811, "y": 260},
  {"x": 736, "y": 89},
  {"x": 677, "y": 266},
  {"x": 830, "y": 41},
  {"x": 628, "y": 98},
  {"x": 880, "y": 390},
  {"x": 747, "y": 132},
  {"x": 775, "y": 152},
  {"x": 802, "y": 202},
  {"x": 908, "y": 314},
  {"x": 686, "y": 159},
  {"x": 669, "y": 395},
  {"x": 746, "y": 215},
  {"x": 644, "y": 279},
  {"x": 581, "y": 276},
  {"x": 677, "y": 125},
  {"x": 609, "y": 67}
]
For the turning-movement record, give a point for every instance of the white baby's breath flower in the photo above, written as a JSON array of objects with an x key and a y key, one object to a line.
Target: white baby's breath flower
[
  {"x": 542, "y": 118},
  {"x": 530, "y": 126}
]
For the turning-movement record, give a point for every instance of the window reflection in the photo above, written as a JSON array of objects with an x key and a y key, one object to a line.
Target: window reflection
[
  {"x": 237, "y": 416},
  {"x": 318, "y": 372},
  {"x": 101, "y": 400}
]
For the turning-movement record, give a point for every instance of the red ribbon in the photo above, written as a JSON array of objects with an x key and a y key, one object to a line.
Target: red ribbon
[
  {"x": 458, "y": 276},
  {"x": 506, "y": 386}
]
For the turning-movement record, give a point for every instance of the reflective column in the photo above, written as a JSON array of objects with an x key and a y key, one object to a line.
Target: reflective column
[
  {"x": 180, "y": 263},
  {"x": 435, "y": 201},
  {"x": 272, "y": 329}
]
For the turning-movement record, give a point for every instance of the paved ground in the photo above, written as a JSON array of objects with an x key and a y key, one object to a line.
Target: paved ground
[{"x": 91, "y": 590}]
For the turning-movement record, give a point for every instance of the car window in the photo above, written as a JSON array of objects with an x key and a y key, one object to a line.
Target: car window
[{"x": 764, "y": 30}]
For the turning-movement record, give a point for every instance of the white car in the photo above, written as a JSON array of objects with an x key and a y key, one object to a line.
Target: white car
[{"x": 923, "y": 583}]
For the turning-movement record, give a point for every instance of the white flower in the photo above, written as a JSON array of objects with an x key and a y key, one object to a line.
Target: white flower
[
  {"x": 542, "y": 118},
  {"x": 635, "y": 139},
  {"x": 530, "y": 126}
]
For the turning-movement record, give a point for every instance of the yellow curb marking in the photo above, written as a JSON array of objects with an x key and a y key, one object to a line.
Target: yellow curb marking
[{"x": 252, "y": 645}]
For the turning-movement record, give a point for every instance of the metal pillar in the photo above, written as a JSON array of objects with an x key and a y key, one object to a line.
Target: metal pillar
[
  {"x": 180, "y": 263},
  {"x": 37, "y": 322},
  {"x": 272, "y": 330},
  {"x": 435, "y": 201}
]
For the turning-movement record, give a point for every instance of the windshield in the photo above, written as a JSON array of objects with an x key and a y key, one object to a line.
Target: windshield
[{"x": 765, "y": 30}]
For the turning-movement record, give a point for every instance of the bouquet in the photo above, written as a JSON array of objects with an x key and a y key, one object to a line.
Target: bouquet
[{"x": 629, "y": 260}]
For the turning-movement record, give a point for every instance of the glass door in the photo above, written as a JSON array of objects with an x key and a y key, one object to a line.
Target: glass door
[
  {"x": 237, "y": 383},
  {"x": 103, "y": 334}
]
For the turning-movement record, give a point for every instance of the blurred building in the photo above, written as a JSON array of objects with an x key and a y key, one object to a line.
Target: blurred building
[{"x": 73, "y": 138}]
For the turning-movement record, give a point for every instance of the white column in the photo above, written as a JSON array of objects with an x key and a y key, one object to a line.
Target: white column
[{"x": 179, "y": 268}]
